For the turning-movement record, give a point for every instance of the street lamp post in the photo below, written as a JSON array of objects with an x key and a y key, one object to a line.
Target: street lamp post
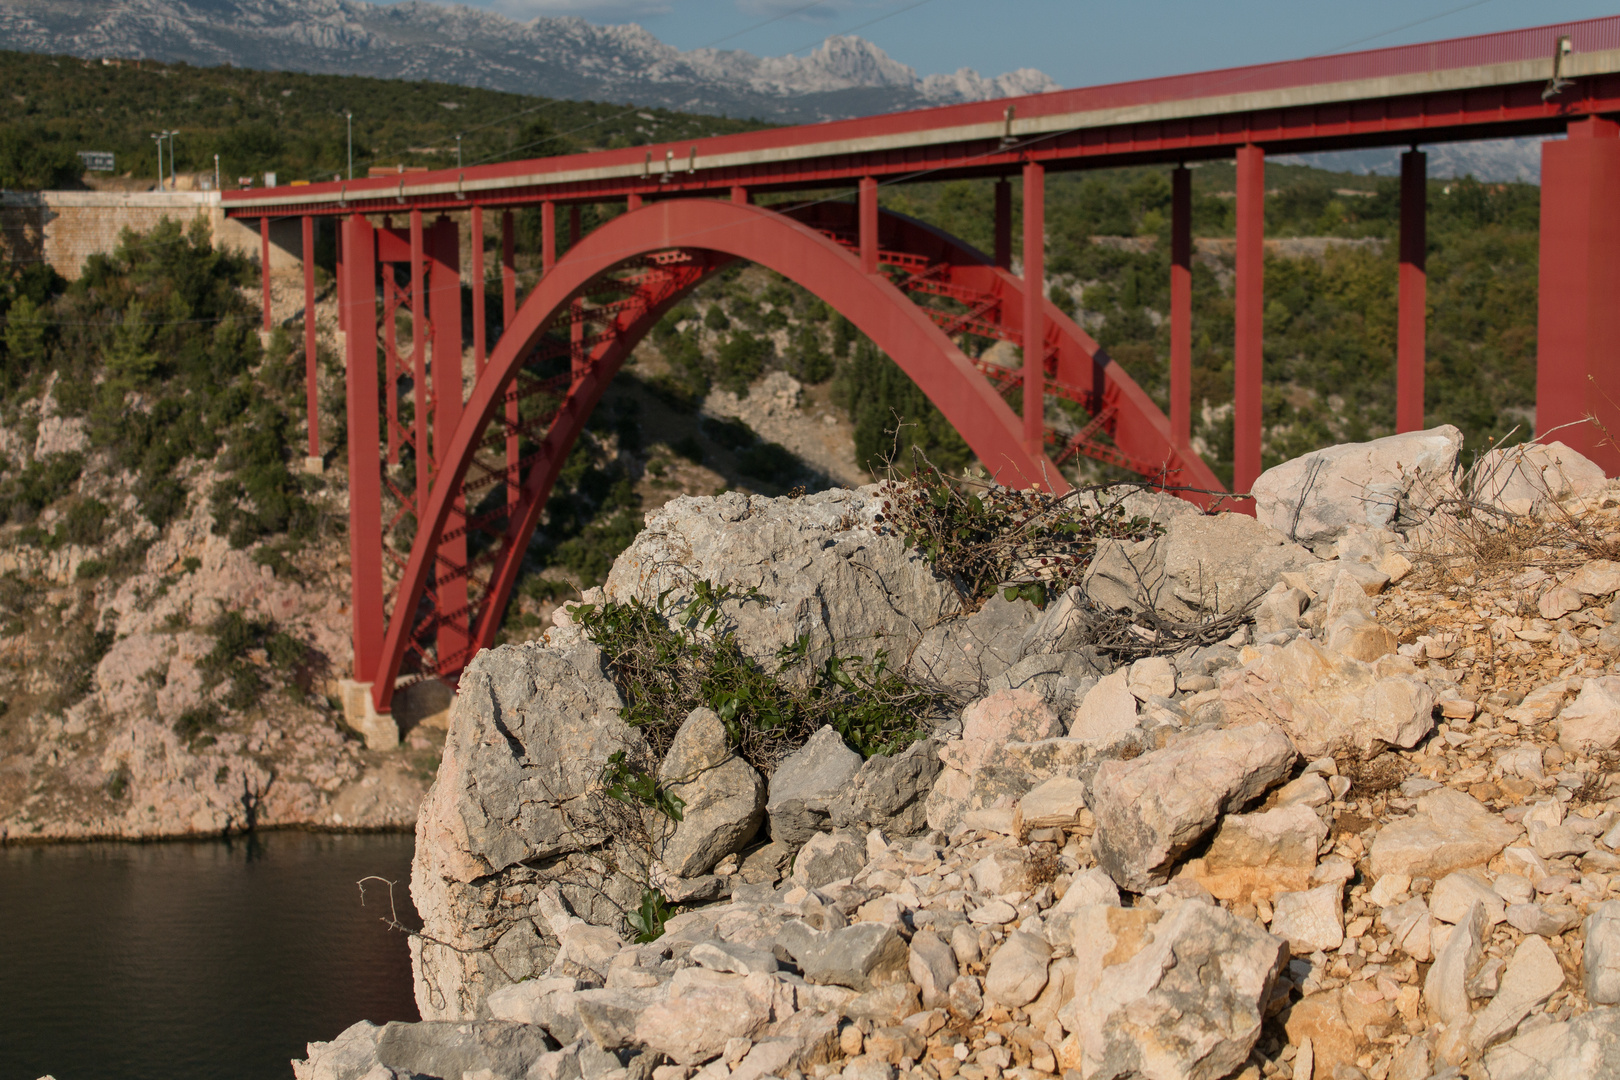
[
  {"x": 458, "y": 149},
  {"x": 171, "y": 135},
  {"x": 158, "y": 138},
  {"x": 349, "y": 119}
]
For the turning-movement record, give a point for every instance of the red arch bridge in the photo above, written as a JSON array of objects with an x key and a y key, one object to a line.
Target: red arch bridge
[{"x": 486, "y": 459}]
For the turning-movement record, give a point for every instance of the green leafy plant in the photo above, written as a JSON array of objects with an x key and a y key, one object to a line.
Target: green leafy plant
[
  {"x": 631, "y": 785},
  {"x": 673, "y": 656},
  {"x": 649, "y": 918}
]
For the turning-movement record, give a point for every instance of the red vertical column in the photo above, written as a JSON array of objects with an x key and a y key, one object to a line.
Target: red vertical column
[
  {"x": 1413, "y": 315},
  {"x": 548, "y": 237},
  {"x": 1577, "y": 337},
  {"x": 365, "y": 481},
  {"x": 739, "y": 194},
  {"x": 508, "y": 313},
  {"x": 576, "y": 310},
  {"x": 421, "y": 395},
  {"x": 1248, "y": 361},
  {"x": 633, "y": 203},
  {"x": 311, "y": 396},
  {"x": 475, "y": 252},
  {"x": 391, "y": 358},
  {"x": 1034, "y": 309},
  {"x": 1003, "y": 191},
  {"x": 444, "y": 313},
  {"x": 868, "y": 210},
  {"x": 342, "y": 281},
  {"x": 1181, "y": 307},
  {"x": 264, "y": 267}
]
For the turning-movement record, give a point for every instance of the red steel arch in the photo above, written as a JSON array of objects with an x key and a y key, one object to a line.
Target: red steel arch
[{"x": 706, "y": 233}]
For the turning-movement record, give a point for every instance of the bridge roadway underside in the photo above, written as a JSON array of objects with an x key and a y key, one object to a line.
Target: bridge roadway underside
[{"x": 1562, "y": 79}]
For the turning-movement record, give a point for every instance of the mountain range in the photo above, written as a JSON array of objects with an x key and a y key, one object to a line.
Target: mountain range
[{"x": 551, "y": 57}]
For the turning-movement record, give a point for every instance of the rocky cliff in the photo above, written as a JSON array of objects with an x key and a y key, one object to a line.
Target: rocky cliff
[{"x": 1368, "y": 832}]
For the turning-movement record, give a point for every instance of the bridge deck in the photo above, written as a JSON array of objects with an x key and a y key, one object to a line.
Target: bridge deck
[{"x": 1487, "y": 86}]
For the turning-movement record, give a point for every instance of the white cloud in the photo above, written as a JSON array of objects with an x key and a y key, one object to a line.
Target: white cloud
[{"x": 597, "y": 11}]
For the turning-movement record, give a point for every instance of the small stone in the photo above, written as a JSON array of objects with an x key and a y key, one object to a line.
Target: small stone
[
  {"x": 828, "y": 857},
  {"x": 995, "y": 913},
  {"x": 933, "y": 968},
  {"x": 1108, "y": 711},
  {"x": 1054, "y": 803},
  {"x": 1309, "y": 921},
  {"x": 805, "y": 783},
  {"x": 860, "y": 956},
  {"x": 1445, "y": 986},
  {"x": 1455, "y": 893},
  {"x": 966, "y": 999},
  {"x": 1532, "y": 976},
  {"x": 1591, "y": 723},
  {"x": 1018, "y": 972},
  {"x": 1152, "y": 676},
  {"x": 1557, "y": 602}
]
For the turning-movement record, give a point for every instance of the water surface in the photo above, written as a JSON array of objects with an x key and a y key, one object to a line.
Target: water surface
[{"x": 213, "y": 960}]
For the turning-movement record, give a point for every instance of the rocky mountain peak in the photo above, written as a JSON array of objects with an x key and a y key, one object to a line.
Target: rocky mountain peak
[{"x": 552, "y": 56}]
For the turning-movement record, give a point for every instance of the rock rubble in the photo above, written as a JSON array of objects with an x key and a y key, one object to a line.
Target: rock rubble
[{"x": 1368, "y": 837}]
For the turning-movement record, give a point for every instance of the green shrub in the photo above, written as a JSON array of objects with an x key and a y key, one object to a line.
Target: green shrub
[{"x": 670, "y": 658}]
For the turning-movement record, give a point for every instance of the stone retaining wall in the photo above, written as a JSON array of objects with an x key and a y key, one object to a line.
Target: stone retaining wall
[{"x": 64, "y": 228}]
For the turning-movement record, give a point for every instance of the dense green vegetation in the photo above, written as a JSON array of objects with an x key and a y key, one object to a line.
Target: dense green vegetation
[
  {"x": 156, "y": 347},
  {"x": 290, "y": 123}
]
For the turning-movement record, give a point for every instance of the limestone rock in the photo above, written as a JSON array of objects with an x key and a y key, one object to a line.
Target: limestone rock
[
  {"x": 1311, "y": 920},
  {"x": 1018, "y": 972},
  {"x": 987, "y": 726},
  {"x": 965, "y": 654},
  {"x": 889, "y": 792},
  {"x": 1579, "y": 1049},
  {"x": 496, "y": 1047},
  {"x": 1151, "y": 676},
  {"x": 1173, "y": 993},
  {"x": 1053, "y": 804},
  {"x": 1217, "y": 563},
  {"x": 1329, "y": 702},
  {"x": 806, "y": 783},
  {"x": 1256, "y": 856},
  {"x": 860, "y": 956},
  {"x": 1152, "y": 809},
  {"x": 1455, "y": 893},
  {"x": 1592, "y": 721},
  {"x": 695, "y": 1026},
  {"x": 530, "y": 731},
  {"x": 1316, "y": 498},
  {"x": 1107, "y": 712},
  {"x": 1089, "y": 888},
  {"x": 1061, "y": 679},
  {"x": 828, "y": 857},
  {"x": 827, "y": 570},
  {"x": 1529, "y": 477},
  {"x": 1450, "y": 831},
  {"x": 1532, "y": 975},
  {"x": 1602, "y": 958},
  {"x": 932, "y": 967},
  {"x": 1445, "y": 986},
  {"x": 724, "y": 797}
]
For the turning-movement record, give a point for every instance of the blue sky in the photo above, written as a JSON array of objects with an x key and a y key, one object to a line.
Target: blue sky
[{"x": 1076, "y": 42}]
